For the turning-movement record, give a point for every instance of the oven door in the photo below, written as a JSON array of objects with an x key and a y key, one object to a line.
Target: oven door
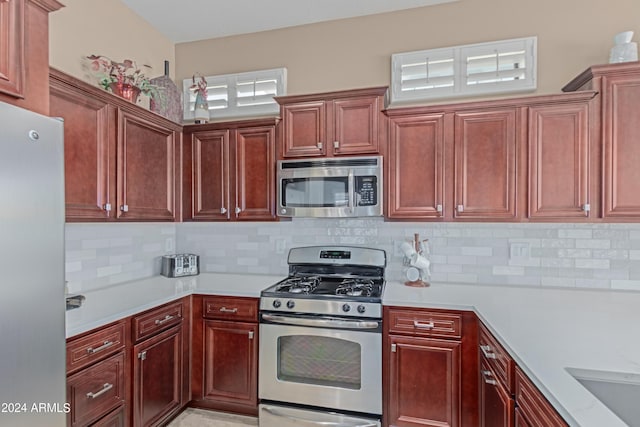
[{"x": 332, "y": 368}]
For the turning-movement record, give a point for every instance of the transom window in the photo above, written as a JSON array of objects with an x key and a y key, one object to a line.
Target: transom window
[
  {"x": 466, "y": 70},
  {"x": 239, "y": 95}
]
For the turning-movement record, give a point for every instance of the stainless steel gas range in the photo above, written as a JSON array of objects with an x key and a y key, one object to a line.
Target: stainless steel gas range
[{"x": 321, "y": 340}]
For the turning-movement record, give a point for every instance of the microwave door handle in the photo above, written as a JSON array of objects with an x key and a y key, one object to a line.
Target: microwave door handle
[{"x": 352, "y": 191}]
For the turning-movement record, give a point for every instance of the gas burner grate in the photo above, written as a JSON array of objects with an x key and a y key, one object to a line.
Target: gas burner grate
[
  {"x": 299, "y": 285},
  {"x": 356, "y": 287}
]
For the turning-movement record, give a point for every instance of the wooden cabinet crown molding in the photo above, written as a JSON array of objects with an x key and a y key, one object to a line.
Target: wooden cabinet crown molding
[
  {"x": 524, "y": 101},
  {"x": 233, "y": 124},
  {"x": 591, "y": 73},
  {"x": 48, "y": 5},
  {"x": 61, "y": 79},
  {"x": 351, "y": 93}
]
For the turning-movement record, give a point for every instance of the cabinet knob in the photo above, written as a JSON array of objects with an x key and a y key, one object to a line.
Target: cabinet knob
[
  {"x": 336, "y": 144},
  {"x": 319, "y": 145},
  {"x": 250, "y": 335},
  {"x": 223, "y": 210},
  {"x": 460, "y": 208},
  {"x": 124, "y": 208},
  {"x": 107, "y": 207},
  {"x": 238, "y": 210},
  {"x": 439, "y": 208},
  {"x": 586, "y": 207}
]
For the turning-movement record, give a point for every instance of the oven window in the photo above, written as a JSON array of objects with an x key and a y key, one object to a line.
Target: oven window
[
  {"x": 318, "y": 360},
  {"x": 320, "y": 192}
]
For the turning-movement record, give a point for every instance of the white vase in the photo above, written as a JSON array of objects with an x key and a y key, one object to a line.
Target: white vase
[
  {"x": 201, "y": 110},
  {"x": 624, "y": 50}
]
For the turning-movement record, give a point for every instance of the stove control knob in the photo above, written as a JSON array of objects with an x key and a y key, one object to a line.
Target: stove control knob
[
  {"x": 361, "y": 308},
  {"x": 277, "y": 303},
  {"x": 346, "y": 308},
  {"x": 290, "y": 304}
]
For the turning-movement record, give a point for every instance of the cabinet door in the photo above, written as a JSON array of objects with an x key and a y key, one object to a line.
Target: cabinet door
[
  {"x": 416, "y": 167},
  {"x": 88, "y": 155},
  {"x": 211, "y": 175},
  {"x": 12, "y": 42},
  {"x": 157, "y": 377},
  {"x": 231, "y": 367},
  {"x": 114, "y": 419},
  {"x": 304, "y": 129},
  {"x": 255, "y": 174},
  {"x": 146, "y": 169},
  {"x": 485, "y": 162},
  {"x": 355, "y": 126},
  {"x": 621, "y": 133},
  {"x": 496, "y": 406},
  {"x": 424, "y": 382},
  {"x": 559, "y": 161}
]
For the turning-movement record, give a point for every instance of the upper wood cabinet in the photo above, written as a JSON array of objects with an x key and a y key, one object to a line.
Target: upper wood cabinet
[
  {"x": 229, "y": 171},
  {"x": 24, "y": 53},
  {"x": 558, "y": 161},
  {"x": 493, "y": 160},
  {"x": 333, "y": 124},
  {"x": 415, "y": 166},
  {"x": 619, "y": 103},
  {"x": 120, "y": 159},
  {"x": 485, "y": 164}
]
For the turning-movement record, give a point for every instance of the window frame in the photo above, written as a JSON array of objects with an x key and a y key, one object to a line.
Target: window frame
[
  {"x": 231, "y": 81},
  {"x": 459, "y": 54}
]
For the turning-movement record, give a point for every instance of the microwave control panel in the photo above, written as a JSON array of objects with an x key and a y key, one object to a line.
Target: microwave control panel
[{"x": 366, "y": 188}]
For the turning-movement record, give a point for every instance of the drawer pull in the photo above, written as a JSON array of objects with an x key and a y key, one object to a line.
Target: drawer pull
[
  {"x": 419, "y": 325},
  {"x": 228, "y": 310},
  {"x": 486, "y": 350},
  {"x": 104, "y": 346},
  {"x": 486, "y": 376},
  {"x": 105, "y": 388},
  {"x": 166, "y": 319}
]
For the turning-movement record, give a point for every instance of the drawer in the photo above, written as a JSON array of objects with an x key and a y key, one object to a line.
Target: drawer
[
  {"x": 425, "y": 323},
  {"x": 95, "y": 346},
  {"x": 114, "y": 419},
  {"x": 97, "y": 390},
  {"x": 156, "y": 320},
  {"x": 230, "y": 308},
  {"x": 497, "y": 358},
  {"x": 533, "y": 406}
]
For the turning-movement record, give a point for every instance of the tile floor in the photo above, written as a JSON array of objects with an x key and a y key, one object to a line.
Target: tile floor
[{"x": 192, "y": 417}]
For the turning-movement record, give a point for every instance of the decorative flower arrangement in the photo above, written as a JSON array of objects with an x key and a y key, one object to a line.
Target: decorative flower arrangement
[{"x": 119, "y": 76}]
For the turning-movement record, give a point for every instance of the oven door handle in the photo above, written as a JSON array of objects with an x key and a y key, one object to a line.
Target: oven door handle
[
  {"x": 325, "y": 423},
  {"x": 326, "y": 322}
]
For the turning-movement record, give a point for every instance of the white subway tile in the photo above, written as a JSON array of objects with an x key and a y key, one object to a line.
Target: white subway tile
[
  {"x": 501, "y": 270},
  {"x": 592, "y": 263}
]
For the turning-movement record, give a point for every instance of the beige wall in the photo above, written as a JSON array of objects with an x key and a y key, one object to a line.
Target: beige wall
[
  {"x": 105, "y": 27},
  {"x": 572, "y": 35}
]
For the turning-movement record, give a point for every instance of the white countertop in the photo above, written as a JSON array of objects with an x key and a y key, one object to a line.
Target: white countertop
[
  {"x": 112, "y": 303},
  {"x": 546, "y": 331}
]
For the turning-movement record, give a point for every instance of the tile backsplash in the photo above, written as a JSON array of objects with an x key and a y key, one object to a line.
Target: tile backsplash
[{"x": 568, "y": 255}]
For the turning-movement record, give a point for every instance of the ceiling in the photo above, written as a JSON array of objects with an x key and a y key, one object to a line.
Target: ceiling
[{"x": 190, "y": 20}]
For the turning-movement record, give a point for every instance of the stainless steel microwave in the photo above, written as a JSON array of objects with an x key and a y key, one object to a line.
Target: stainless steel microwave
[{"x": 330, "y": 187}]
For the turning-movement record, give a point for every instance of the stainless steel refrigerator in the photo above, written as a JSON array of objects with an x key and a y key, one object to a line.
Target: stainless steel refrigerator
[{"x": 32, "y": 313}]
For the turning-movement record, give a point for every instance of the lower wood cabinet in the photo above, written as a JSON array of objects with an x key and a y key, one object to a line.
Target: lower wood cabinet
[
  {"x": 225, "y": 354},
  {"x": 507, "y": 397},
  {"x": 231, "y": 350},
  {"x": 97, "y": 375},
  {"x": 429, "y": 368},
  {"x": 496, "y": 403},
  {"x": 160, "y": 364},
  {"x": 157, "y": 385}
]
